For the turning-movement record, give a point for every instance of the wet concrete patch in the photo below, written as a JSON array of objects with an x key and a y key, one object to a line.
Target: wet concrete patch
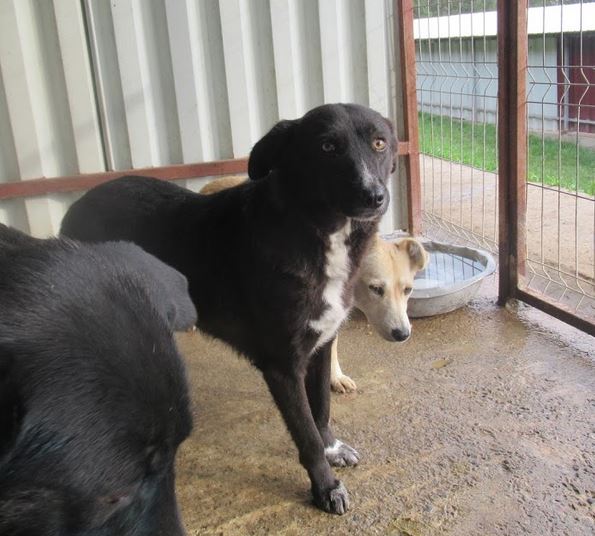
[{"x": 498, "y": 439}]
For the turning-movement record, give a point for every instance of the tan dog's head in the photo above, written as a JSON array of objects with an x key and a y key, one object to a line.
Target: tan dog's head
[
  {"x": 222, "y": 183},
  {"x": 385, "y": 283}
]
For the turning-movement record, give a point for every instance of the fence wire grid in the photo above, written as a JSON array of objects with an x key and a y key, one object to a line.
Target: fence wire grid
[{"x": 457, "y": 84}]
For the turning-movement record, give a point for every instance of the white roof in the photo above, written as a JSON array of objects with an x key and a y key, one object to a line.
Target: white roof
[{"x": 551, "y": 19}]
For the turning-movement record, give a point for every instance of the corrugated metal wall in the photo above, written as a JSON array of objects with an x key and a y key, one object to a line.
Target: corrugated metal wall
[{"x": 96, "y": 85}]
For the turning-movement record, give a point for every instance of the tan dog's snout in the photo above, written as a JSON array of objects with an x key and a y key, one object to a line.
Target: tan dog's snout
[{"x": 401, "y": 334}]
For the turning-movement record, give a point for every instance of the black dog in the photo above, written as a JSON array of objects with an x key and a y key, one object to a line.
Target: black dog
[
  {"x": 168, "y": 288},
  {"x": 271, "y": 263},
  {"x": 93, "y": 396}
]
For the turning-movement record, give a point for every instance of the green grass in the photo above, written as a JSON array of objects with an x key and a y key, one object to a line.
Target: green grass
[
  {"x": 548, "y": 161},
  {"x": 423, "y": 8}
]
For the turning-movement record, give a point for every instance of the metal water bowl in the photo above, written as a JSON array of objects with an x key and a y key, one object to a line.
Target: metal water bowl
[{"x": 451, "y": 279}]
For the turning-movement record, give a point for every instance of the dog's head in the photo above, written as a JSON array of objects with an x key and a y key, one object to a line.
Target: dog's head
[
  {"x": 93, "y": 399},
  {"x": 338, "y": 156},
  {"x": 167, "y": 288},
  {"x": 385, "y": 283}
]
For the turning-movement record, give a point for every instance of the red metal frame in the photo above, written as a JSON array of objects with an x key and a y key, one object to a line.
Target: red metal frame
[
  {"x": 558, "y": 311},
  {"x": 38, "y": 187},
  {"x": 512, "y": 154},
  {"x": 75, "y": 183},
  {"x": 405, "y": 49},
  {"x": 512, "y": 139}
]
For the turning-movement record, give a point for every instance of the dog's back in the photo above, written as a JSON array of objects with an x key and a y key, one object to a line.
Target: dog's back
[
  {"x": 93, "y": 397},
  {"x": 12, "y": 238},
  {"x": 235, "y": 258},
  {"x": 131, "y": 207}
]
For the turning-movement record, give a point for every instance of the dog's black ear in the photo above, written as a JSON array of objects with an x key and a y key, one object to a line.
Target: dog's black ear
[
  {"x": 269, "y": 151},
  {"x": 393, "y": 143},
  {"x": 180, "y": 310}
]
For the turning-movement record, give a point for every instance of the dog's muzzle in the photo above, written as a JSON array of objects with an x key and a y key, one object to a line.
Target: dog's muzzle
[
  {"x": 374, "y": 199},
  {"x": 400, "y": 335},
  {"x": 372, "y": 204}
]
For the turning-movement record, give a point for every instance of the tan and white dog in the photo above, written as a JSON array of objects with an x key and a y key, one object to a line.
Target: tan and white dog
[
  {"x": 382, "y": 290},
  {"x": 384, "y": 284}
]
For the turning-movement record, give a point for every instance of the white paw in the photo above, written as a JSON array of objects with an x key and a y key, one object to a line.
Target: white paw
[
  {"x": 341, "y": 455},
  {"x": 343, "y": 384}
]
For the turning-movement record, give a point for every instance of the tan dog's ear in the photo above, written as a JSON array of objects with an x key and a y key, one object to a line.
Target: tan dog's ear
[{"x": 417, "y": 254}]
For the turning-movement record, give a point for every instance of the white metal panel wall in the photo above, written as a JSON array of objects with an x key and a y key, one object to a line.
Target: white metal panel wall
[
  {"x": 51, "y": 128},
  {"x": 96, "y": 85}
]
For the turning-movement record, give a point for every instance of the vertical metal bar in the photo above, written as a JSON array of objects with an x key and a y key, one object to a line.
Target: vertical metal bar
[
  {"x": 441, "y": 85},
  {"x": 484, "y": 126},
  {"x": 563, "y": 111},
  {"x": 431, "y": 91},
  {"x": 450, "y": 159},
  {"x": 403, "y": 13},
  {"x": 543, "y": 96},
  {"x": 422, "y": 106},
  {"x": 577, "y": 142},
  {"x": 461, "y": 118},
  {"x": 473, "y": 97},
  {"x": 512, "y": 136}
]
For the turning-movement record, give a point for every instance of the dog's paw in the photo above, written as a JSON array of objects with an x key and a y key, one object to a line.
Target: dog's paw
[
  {"x": 343, "y": 384},
  {"x": 333, "y": 500},
  {"x": 341, "y": 455}
]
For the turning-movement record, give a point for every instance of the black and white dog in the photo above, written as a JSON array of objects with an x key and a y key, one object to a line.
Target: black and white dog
[
  {"x": 93, "y": 394},
  {"x": 271, "y": 263}
]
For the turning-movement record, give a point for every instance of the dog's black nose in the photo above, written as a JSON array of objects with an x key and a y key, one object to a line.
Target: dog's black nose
[
  {"x": 400, "y": 335},
  {"x": 374, "y": 199},
  {"x": 378, "y": 199}
]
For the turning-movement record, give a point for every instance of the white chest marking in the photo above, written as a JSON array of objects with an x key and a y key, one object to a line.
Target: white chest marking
[{"x": 337, "y": 270}]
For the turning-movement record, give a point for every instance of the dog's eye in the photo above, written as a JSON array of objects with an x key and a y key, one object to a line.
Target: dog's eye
[
  {"x": 379, "y": 145},
  {"x": 328, "y": 147},
  {"x": 377, "y": 289},
  {"x": 408, "y": 290}
]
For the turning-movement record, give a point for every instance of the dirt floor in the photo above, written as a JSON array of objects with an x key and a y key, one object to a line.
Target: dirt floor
[{"x": 482, "y": 424}]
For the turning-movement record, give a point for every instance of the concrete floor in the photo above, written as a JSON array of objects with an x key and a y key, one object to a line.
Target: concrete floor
[{"x": 482, "y": 424}]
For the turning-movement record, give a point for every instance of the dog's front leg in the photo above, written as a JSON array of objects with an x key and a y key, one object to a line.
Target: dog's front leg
[
  {"x": 340, "y": 383},
  {"x": 317, "y": 386},
  {"x": 289, "y": 393}
]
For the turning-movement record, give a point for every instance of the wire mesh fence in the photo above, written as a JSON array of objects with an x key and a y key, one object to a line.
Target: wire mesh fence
[
  {"x": 561, "y": 156},
  {"x": 457, "y": 88},
  {"x": 457, "y": 83}
]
